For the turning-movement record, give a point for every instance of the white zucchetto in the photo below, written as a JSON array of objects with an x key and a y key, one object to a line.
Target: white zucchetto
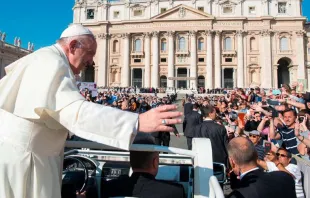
[{"x": 76, "y": 30}]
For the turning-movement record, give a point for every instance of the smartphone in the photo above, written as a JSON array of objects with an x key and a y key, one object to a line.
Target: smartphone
[
  {"x": 301, "y": 119},
  {"x": 267, "y": 146}
]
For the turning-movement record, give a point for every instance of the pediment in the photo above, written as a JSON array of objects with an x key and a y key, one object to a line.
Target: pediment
[
  {"x": 228, "y": 2},
  {"x": 182, "y": 12}
]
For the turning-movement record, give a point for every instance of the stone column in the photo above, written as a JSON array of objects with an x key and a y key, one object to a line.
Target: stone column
[
  {"x": 235, "y": 77},
  {"x": 217, "y": 60},
  {"x": 170, "y": 58},
  {"x": 240, "y": 71},
  {"x": 275, "y": 76},
  {"x": 143, "y": 76},
  {"x": 176, "y": 75},
  {"x": 188, "y": 81},
  {"x": 193, "y": 72},
  {"x": 102, "y": 60},
  {"x": 147, "y": 79},
  {"x": 209, "y": 66},
  {"x": 131, "y": 76},
  {"x": 222, "y": 77},
  {"x": 155, "y": 67},
  {"x": 126, "y": 57},
  {"x": 300, "y": 53},
  {"x": 266, "y": 77}
]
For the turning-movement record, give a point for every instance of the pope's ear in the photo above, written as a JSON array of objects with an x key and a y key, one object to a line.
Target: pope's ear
[{"x": 73, "y": 45}]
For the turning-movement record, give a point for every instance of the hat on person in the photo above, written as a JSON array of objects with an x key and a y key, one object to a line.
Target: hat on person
[
  {"x": 254, "y": 132},
  {"x": 75, "y": 30}
]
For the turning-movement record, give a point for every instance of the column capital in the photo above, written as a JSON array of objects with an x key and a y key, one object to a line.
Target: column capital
[
  {"x": 147, "y": 34},
  {"x": 155, "y": 33},
  {"x": 209, "y": 32},
  {"x": 240, "y": 32},
  {"x": 171, "y": 33},
  {"x": 300, "y": 33},
  {"x": 218, "y": 32},
  {"x": 102, "y": 36},
  {"x": 192, "y": 33},
  {"x": 125, "y": 35},
  {"x": 266, "y": 32}
]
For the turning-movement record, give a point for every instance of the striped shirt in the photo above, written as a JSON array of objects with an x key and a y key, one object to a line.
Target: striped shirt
[{"x": 289, "y": 139}]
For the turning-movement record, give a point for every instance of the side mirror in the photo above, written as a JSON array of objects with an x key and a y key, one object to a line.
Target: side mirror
[{"x": 219, "y": 171}]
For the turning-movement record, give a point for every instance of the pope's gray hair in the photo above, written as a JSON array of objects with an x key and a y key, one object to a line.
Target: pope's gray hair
[{"x": 81, "y": 38}]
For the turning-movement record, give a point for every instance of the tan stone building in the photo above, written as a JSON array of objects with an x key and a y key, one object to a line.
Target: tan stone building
[
  {"x": 11, "y": 52},
  {"x": 196, "y": 43}
]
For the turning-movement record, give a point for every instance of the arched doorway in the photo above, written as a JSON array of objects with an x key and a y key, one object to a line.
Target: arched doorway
[
  {"x": 182, "y": 72},
  {"x": 137, "y": 77},
  {"x": 201, "y": 81},
  {"x": 163, "y": 81},
  {"x": 283, "y": 71},
  {"x": 89, "y": 74}
]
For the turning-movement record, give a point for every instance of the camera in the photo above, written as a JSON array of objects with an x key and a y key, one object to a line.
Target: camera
[{"x": 301, "y": 119}]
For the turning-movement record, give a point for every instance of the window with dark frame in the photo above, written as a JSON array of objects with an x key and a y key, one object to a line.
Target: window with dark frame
[
  {"x": 228, "y": 60},
  {"x": 201, "y": 60},
  {"x": 90, "y": 13},
  {"x": 163, "y": 60},
  {"x": 137, "y": 60}
]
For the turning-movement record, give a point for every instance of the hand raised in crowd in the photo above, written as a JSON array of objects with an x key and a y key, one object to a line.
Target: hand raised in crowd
[
  {"x": 297, "y": 127},
  {"x": 158, "y": 118}
]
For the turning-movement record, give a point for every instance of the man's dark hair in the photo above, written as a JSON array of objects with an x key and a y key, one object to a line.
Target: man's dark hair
[
  {"x": 242, "y": 153},
  {"x": 195, "y": 106},
  {"x": 290, "y": 110},
  {"x": 207, "y": 110},
  {"x": 142, "y": 159}
]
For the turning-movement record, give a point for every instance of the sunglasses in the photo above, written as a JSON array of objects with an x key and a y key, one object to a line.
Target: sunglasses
[
  {"x": 253, "y": 135},
  {"x": 282, "y": 155}
]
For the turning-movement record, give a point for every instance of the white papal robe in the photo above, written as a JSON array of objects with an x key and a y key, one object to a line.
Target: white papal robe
[{"x": 39, "y": 103}]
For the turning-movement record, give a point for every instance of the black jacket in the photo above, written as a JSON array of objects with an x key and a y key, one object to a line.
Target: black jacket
[
  {"x": 188, "y": 108},
  {"x": 218, "y": 137},
  {"x": 258, "y": 184},
  {"x": 190, "y": 122},
  {"x": 142, "y": 185}
]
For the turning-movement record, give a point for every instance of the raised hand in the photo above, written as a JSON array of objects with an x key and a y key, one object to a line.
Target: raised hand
[{"x": 157, "y": 119}]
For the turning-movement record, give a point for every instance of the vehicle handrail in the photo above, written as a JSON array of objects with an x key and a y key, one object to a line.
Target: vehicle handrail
[
  {"x": 215, "y": 188},
  {"x": 134, "y": 147}
]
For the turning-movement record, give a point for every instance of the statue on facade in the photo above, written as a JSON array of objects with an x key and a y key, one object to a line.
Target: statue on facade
[
  {"x": 18, "y": 42},
  {"x": 0, "y": 34},
  {"x": 32, "y": 47},
  {"x": 3, "y": 36},
  {"x": 15, "y": 41},
  {"x": 29, "y": 45}
]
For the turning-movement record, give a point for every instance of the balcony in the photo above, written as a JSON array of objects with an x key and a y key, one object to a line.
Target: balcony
[
  {"x": 229, "y": 53},
  {"x": 182, "y": 52},
  {"x": 285, "y": 52},
  {"x": 137, "y": 53}
]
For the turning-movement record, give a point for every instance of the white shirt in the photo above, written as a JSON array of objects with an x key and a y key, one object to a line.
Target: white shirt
[
  {"x": 243, "y": 174},
  {"x": 294, "y": 170}
]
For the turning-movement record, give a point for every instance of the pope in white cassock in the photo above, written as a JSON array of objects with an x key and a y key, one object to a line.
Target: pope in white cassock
[{"x": 39, "y": 103}]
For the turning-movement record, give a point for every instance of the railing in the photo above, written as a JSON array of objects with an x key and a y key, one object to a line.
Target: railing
[{"x": 215, "y": 188}]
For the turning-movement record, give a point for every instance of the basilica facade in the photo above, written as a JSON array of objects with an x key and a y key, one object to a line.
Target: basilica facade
[
  {"x": 11, "y": 52},
  {"x": 196, "y": 43}
]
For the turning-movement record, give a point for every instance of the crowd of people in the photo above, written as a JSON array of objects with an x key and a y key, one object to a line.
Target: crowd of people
[
  {"x": 274, "y": 124},
  {"x": 277, "y": 124}
]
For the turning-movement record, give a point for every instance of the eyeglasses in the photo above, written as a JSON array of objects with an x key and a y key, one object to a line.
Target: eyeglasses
[
  {"x": 282, "y": 155},
  {"x": 250, "y": 135}
]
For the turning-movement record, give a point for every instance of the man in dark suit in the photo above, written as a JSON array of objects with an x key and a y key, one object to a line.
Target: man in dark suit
[
  {"x": 215, "y": 132},
  {"x": 188, "y": 106},
  {"x": 190, "y": 122},
  {"x": 254, "y": 182},
  {"x": 142, "y": 182}
]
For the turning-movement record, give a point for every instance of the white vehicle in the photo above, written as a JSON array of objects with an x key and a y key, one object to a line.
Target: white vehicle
[{"x": 194, "y": 169}]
